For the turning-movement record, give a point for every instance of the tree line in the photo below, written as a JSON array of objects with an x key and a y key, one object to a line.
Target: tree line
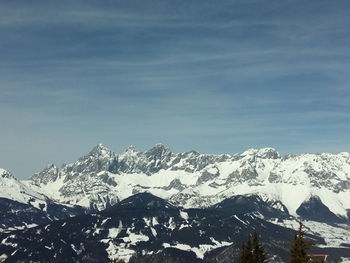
[{"x": 252, "y": 251}]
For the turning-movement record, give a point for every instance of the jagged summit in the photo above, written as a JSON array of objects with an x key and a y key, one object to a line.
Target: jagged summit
[
  {"x": 159, "y": 149},
  {"x": 268, "y": 153},
  {"x": 51, "y": 166},
  {"x": 49, "y": 174},
  {"x": 193, "y": 152},
  {"x": 131, "y": 148},
  {"x": 5, "y": 174},
  {"x": 99, "y": 150}
]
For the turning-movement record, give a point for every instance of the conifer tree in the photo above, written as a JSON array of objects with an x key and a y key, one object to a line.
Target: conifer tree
[
  {"x": 242, "y": 257},
  {"x": 299, "y": 247},
  {"x": 259, "y": 255},
  {"x": 252, "y": 251},
  {"x": 249, "y": 255}
]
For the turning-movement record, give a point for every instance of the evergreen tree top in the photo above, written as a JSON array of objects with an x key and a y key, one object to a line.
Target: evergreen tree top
[
  {"x": 300, "y": 246},
  {"x": 252, "y": 251}
]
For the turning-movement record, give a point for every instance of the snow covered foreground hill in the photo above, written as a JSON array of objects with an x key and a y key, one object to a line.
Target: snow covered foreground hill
[
  {"x": 192, "y": 180},
  {"x": 147, "y": 229},
  {"x": 22, "y": 207}
]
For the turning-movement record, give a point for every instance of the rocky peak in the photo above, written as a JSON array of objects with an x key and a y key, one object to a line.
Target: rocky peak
[
  {"x": 5, "y": 174},
  {"x": 99, "y": 150},
  {"x": 158, "y": 150},
  {"x": 97, "y": 160},
  {"x": 99, "y": 153},
  {"x": 264, "y": 153},
  {"x": 48, "y": 174},
  {"x": 148, "y": 162},
  {"x": 191, "y": 153},
  {"x": 268, "y": 153},
  {"x": 130, "y": 152},
  {"x": 131, "y": 149}
]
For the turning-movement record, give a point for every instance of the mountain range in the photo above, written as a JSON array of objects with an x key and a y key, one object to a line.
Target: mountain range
[{"x": 102, "y": 198}]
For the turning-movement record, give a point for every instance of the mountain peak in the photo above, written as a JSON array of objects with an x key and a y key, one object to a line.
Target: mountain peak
[
  {"x": 160, "y": 146},
  {"x": 99, "y": 149},
  {"x": 159, "y": 149},
  {"x": 100, "y": 146},
  {"x": 49, "y": 174},
  {"x": 131, "y": 149},
  {"x": 345, "y": 154},
  {"x": 266, "y": 153},
  {"x": 51, "y": 166},
  {"x": 5, "y": 174}
]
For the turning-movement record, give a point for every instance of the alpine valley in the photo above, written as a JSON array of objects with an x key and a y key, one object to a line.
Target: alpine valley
[{"x": 160, "y": 206}]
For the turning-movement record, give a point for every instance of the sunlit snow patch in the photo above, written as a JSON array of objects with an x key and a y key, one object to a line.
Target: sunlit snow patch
[{"x": 201, "y": 249}]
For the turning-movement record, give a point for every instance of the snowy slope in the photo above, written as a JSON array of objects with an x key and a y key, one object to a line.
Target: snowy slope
[
  {"x": 138, "y": 226},
  {"x": 144, "y": 228},
  {"x": 15, "y": 190},
  {"x": 101, "y": 178},
  {"x": 22, "y": 207}
]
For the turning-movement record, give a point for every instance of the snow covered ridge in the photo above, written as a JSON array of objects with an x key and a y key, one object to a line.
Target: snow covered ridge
[
  {"x": 102, "y": 178},
  {"x": 13, "y": 189},
  {"x": 4, "y": 173}
]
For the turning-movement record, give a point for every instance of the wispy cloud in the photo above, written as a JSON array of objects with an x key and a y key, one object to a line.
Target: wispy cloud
[{"x": 214, "y": 76}]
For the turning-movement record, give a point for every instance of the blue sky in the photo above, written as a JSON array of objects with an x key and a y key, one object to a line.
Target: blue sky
[{"x": 215, "y": 76}]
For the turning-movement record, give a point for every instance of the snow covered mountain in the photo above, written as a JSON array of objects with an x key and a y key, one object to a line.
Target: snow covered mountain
[
  {"x": 22, "y": 207},
  {"x": 102, "y": 178},
  {"x": 13, "y": 189}
]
